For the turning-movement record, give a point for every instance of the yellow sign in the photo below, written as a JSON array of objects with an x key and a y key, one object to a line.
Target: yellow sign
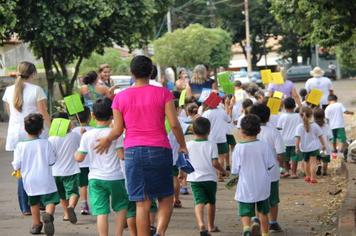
[
  {"x": 314, "y": 97},
  {"x": 274, "y": 104},
  {"x": 278, "y": 94},
  {"x": 277, "y": 78},
  {"x": 182, "y": 97},
  {"x": 266, "y": 76}
]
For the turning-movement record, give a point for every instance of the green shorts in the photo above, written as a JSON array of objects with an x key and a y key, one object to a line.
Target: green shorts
[
  {"x": 67, "y": 186},
  {"x": 274, "y": 196},
  {"x": 46, "y": 199},
  {"x": 223, "y": 148},
  {"x": 204, "y": 192},
  {"x": 100, "y": 193},
  {"x": 324, "y": 159},
  {"x": 83, "y": 177},
  {"x": 307, "y": 155},
  {"x": 230, "y": 140},
  {"x": 175, "y": 171},
  {"x": 131, "y": 210},
  {"x": 290, "y": 154},
  {"x": 339, "y": 134},
  {"x": 249, "y": 209}
]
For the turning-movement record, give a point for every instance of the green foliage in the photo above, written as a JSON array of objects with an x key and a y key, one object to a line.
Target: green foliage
[
  {"x": 346, "y": 54},
  {"x": 7, "y": 18},
  {"x": 111, "y": 56},
  {"x": 194, "y": 45}
]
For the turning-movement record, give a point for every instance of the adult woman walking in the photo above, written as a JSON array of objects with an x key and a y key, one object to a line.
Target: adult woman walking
[
  {"x": 21, "y": 99},
  {"x": 200, "y": 81},
  {"x": 141, "y": 111}
]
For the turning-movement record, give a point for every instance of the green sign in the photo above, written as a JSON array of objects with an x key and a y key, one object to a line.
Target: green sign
[
  {"x": 224, "y": 78},
  {"x": 182, "y": 96},
  {"x": 74, "y": 104},
  {"x": 59, "y": 127},
  {"x": 228, "y": 88}
]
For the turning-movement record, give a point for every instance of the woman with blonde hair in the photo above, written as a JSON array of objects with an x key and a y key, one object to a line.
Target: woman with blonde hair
[
  {"x": 20, "y": 100},
  {"x": 199, "y": 81}
]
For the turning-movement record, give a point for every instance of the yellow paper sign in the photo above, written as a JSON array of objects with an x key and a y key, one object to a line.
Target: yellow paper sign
[
  {"x": 278, "y": 94},
  {"x": 274, "y": 104},
  {"x": 266, "y": 76},
  {"x": 277, "y": 78},
  {"x": 182, "y": 96},
  {"x": 315, "y": 96}
]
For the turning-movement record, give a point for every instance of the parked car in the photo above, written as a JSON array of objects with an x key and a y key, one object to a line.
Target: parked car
[
  {"x": 254, "y": 77},
  {"x": 123, "y": 81},
  {"x": 299, "y": 73}
]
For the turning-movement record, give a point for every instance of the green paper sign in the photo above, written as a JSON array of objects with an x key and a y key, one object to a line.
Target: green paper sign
[
  {"x": 228, "y": 88},
  {"x": 168, "y": 127},
  {"x": 224, "y": 78},
  {"x": 182, "y": 96},
  {"x": 74, "y": 104},
  {"x": 59, "y": 127}
]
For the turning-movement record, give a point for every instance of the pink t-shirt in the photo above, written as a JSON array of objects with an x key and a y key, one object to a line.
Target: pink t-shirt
[{"x": 143, "y": 111}]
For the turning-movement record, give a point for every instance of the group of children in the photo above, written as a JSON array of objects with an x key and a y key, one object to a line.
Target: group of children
[{"x": 269, "y": 146}]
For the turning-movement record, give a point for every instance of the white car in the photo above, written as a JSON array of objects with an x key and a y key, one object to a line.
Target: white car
[
  {"x": 254, "y": 77},
  {"x": 123, "y": 81}
]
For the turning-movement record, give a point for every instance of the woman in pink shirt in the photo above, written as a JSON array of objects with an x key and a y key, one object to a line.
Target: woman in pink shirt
[{"x": 141, "y": 110}]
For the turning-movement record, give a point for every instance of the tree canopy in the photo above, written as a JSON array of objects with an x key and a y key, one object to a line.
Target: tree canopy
[{"x": 194, "y": 45}]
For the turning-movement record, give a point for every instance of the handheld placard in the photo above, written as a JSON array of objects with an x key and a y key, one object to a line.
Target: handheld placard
[
  {"x": 314, "y": 97},
  {"x": 74, "y": 105},
  {"x": 204, "y": 94},
  {"x": 274, "y": 104},
  {"x": 228, "y": 88},
  {"x": 59, "y": 127},
  {"x": 213, "y": 100},
  {"x": 182, "y": 96},
  {"x": 266, "y": 76},
  {"x": 277, "y": 78},
  {"x": 278, "y": 94},
  {"x": 224, "y": 77},
  {"x": 167, "y": 126}
]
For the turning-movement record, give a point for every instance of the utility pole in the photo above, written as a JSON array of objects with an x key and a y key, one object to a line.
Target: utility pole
[
  {"x": 248, "y": 42},
  {"x": 317, "y": 55},
  {"x": 169, "y": 21}
]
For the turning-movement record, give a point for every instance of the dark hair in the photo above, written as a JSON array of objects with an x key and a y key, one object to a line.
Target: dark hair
[
  {"x": 84, "y": 115},
  {"x": 176, "y": 94},
  {"x": 102, "y": 109},
  {"x": 34, "y": 123},
  {"x": 262, "y": 111},
  {"x": 238, "y": 83},
  {"x": 250, "y": 125},
  {"x": 154, "y": 72},
  {"x": 247, "y": 103},
  {"x": 332, "y": 97},
  {"x": 141, "y": 67},
  {"x": 201, "y": 126},
  {"x": 319, "y": 116},
  {"x": 289, "y": 103},
  {"x": 192, "y": 109},
  {"x": 63, "y": 115},
  {"x": 258, "y": 94},
  {"x": 303, "y": 93},
  {"x": 90, "y": 77},
  {"x": 176, "y": 103}
]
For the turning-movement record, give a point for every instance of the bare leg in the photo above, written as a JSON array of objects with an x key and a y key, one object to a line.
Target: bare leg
[
  {"x": 65, "y": 204},
  {"x": 211, "y": 216},
  {"x": 84, "y": 193},
  {"x": 50, "y": 209},
  {"x": 143, "y": 217},
  {"x": 164, "y": 214},
  {"x": 73, "y": 200},
  {"x": 264, "y": 223},
  {"x": 294, "y": 168},
  {"x": 176, "y": 189},
  {"x": 307, "y": 168},
  {"x": 313, "y": 164},
  {"x": 199, "y": 216},
  {"x": 120, "y": 222},
  {"x": 131, "y": 222},
  {"x": 325, "y": 168},
  {"x": 35, "y": 211},
  {"x": 273, "y": 213},
  {"x": 246, "y": 221},
  {"x": 102, "y": 225}
]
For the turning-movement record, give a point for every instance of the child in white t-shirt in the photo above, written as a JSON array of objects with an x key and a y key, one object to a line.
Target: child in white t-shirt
[
  {"x": 334, "y": 113},
  {"x": 204, "y": 158},
  {"x": 106, "y": 180},
  {"x": 287, "y": 125},
  {"x": 230, "y": 138},
  {"x": 274, "y": 139},
  {"x": 66, "y": 169},
  {"x": 34, "y": 158},
  {"x": 218, "y": 119},
  {"x": 319, "y": 118},
  {"x": 309, "y": 136},
  {"x": 254, "y": 184},
  {"x": 84, "y": 118},
  {"x": 246, "y": 104}
]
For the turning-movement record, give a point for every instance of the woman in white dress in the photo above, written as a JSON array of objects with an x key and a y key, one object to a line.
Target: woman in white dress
[{"x": 21, "y": 99}]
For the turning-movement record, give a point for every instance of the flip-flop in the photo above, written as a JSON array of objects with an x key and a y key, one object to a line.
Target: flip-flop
[
  {"x": 71, "y": 215},
  {"x": 64, "y": 219},
  {"x": 177, "y": 204},
  {"x": 48, "y": 224}
]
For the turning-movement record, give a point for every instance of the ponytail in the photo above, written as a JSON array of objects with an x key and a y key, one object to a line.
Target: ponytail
[
  {"x": 25, "y": 71},
  {"x": 319, "y": 116},
  {"x": 306, "y": 113},
  {"x": 306, "y": 123}
]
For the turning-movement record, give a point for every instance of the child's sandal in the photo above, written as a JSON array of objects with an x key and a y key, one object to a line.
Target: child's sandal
[
  {"x": 313, "y": 181},
  {"x": 177, "y": 204},
  {"x": 36, "y": 229},
  {"x": 307, "y": 179}
]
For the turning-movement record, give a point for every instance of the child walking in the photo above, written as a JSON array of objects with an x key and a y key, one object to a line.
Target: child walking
[
  {"x": 309, "y": 136},
  {"x": 66, "y": 169},
  {"x": 34, "y": 158},
  {"x": 287, "y": 125},
  {"x": 106, "y": 180},
  {"x": 204, "y": 158},
  {"x": 254, "y": 185},
  {"x": 84, "y": 118},
  {"x": 334, "y": 113}
]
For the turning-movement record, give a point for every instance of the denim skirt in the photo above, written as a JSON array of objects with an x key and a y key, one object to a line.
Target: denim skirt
[{"x": 148, "y": 172}]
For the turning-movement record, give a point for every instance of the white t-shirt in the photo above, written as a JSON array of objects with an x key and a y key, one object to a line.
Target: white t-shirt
[
  {"x": 85, "y": 163},
  {"x": 287, "y": 124},
  {"x": 252, "y": 161},
  {"x": 173, "y": 141},
  {"x": 239, "y": 120},
  {"x": 273, "y": 120},
  {"x": 327, "y": 136},
  {"x": 201, "y": 154},
  {"x": 34, "y": 159},
  {"x": 32, "y": 94},
  {"x": 155, "y": 83},
  {"x": 104, "y": 166},
  {"x": 309, "y": 141},
  {"x": 274, "y": 139},
  {"x": 64, "y": 149},
  {"x": 321, "y": 83},
  {"x": 240, "y": 95},
  {"x": 218, "y": 121},
  {"x": 335, "y": 115},
  {"x": 236, "y": 111}
]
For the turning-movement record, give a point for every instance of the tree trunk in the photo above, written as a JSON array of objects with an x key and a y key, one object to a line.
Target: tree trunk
[{"x": 47, "y": 62}]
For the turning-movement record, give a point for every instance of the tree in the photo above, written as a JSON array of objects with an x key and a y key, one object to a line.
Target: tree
[
  {"x": 346, "y": 53},
  {"x": 7, "y": 18},
  {"x": 194, "y": 45},
  {"x": 67, "y": 31}
]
